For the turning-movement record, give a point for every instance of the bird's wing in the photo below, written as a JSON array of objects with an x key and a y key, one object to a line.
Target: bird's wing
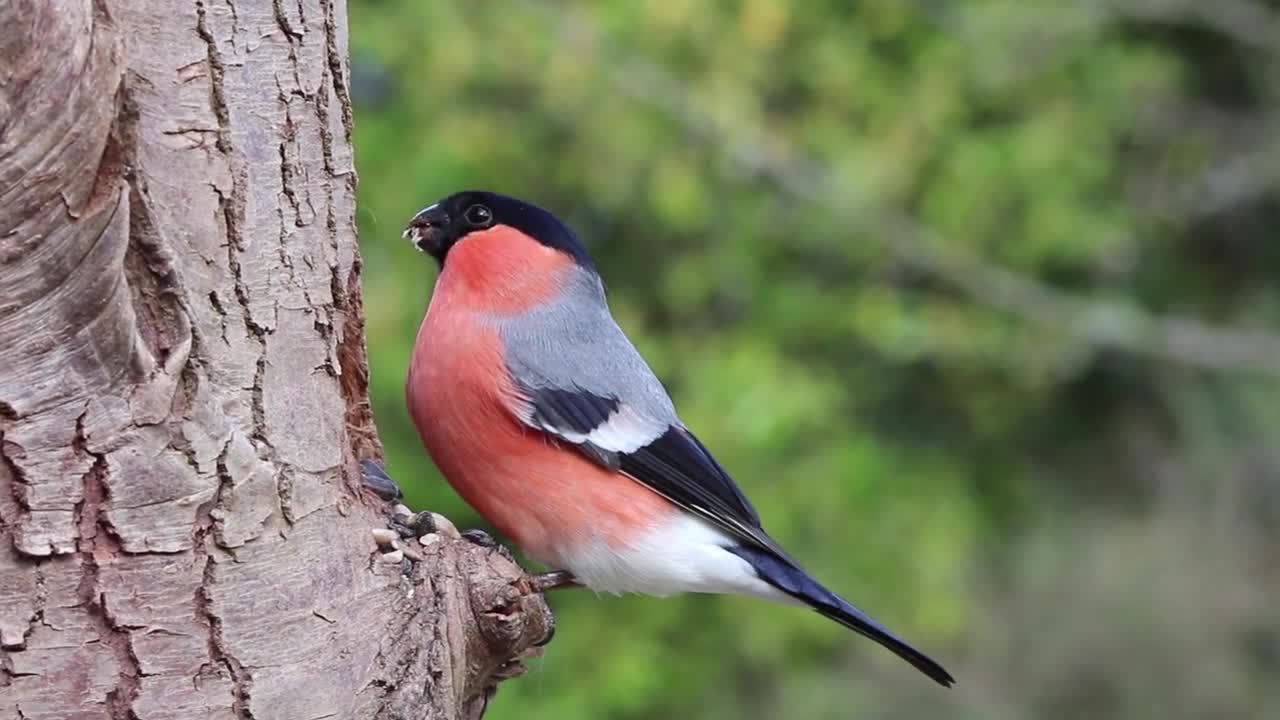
[
  {"x": 668, "y": 458},
  {"x": 587, "y": 386}
]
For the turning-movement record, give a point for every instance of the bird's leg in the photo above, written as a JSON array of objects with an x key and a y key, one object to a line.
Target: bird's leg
[
  {"x": 538, "y": 582},
  {"x": 408, "y": 525},
  {"x": 554, "y": 580}
]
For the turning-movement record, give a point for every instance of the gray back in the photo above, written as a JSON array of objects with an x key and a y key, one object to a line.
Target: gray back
[{"x": 574, "y": 343}]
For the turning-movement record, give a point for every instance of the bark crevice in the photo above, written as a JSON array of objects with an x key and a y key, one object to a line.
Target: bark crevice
[
  {"x": 98, "y": 546},
  {"x": 185, "y": 397},
  {"x": 241, "y": 679}
]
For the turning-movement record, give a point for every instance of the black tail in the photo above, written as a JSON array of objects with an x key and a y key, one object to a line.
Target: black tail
[{"x": 794, "y": 582}]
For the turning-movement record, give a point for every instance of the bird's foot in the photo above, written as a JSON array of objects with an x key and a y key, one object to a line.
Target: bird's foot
[
  {"x": 375, "y": 477},
  {"x": 407, "y": 532},
  {"x": 476, "y": 536},
  {"x": 401, "y": 541},
  {"x": 480, "y": 538}
]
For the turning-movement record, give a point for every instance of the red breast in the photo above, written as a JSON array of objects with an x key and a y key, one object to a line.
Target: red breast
[
  {"x": 500, "y": 270},
  {"x": 543, "y": 495}
]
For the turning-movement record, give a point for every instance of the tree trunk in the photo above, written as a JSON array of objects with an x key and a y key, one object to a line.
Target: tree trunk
[{"x": 183, "y": 387}]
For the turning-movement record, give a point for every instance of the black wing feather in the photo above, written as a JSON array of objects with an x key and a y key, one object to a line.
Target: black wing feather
[
  {"x": 556, "y": 411},
  {"x": 574, "y": 410},
  {"x": 674, "y": 464},
  {"x": 680, "y": 460}
]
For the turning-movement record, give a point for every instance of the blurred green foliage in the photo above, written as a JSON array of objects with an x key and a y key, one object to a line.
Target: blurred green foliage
[{"x": 908, "y": 268}]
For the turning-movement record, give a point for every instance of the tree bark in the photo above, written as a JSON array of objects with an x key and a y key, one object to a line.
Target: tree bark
[{"x": 183, "y": 387}]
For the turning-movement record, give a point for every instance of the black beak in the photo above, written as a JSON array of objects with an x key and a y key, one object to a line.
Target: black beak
[{"x": 427, "y": 231}]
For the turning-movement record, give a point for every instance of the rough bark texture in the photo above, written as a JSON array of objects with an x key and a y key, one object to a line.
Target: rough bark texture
[{"x": 182, "y": 386}]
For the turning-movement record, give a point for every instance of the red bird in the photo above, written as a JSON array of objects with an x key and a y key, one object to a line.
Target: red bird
[{"x": 543, "y": 416}]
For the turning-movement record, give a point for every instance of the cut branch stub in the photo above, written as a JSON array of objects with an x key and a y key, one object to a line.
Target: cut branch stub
[{"x": 466, "y": 624}]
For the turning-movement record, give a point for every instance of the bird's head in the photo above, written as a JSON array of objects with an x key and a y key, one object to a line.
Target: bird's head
[{"x": 437, "y": 228}]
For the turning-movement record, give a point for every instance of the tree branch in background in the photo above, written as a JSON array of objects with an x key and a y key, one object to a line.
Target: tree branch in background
[
  {"x": 1248, "y": 22},
  {"x": 1100, "y": 323}
]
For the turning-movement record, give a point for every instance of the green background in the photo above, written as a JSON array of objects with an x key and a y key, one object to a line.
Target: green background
[{"x": 978, "y": 301}]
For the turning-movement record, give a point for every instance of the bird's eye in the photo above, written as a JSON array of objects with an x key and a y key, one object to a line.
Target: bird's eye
[{"x": 479, "y": 215}]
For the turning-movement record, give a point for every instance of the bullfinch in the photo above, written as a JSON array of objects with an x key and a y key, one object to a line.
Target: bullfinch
[{"x": 542, "y": 415}]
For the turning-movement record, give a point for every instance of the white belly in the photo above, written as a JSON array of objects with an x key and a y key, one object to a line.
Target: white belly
[{"x": 682, "y": 555}]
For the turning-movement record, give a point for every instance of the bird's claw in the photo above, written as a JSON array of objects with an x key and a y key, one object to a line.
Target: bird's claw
[
  {"x": 476, "y": 536},
  {"x": 479, "y": 537},
  {"x": 407, "y": 530},
  {"x": 402, "y": 539},
  {"x": 375, "y": 477}
]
